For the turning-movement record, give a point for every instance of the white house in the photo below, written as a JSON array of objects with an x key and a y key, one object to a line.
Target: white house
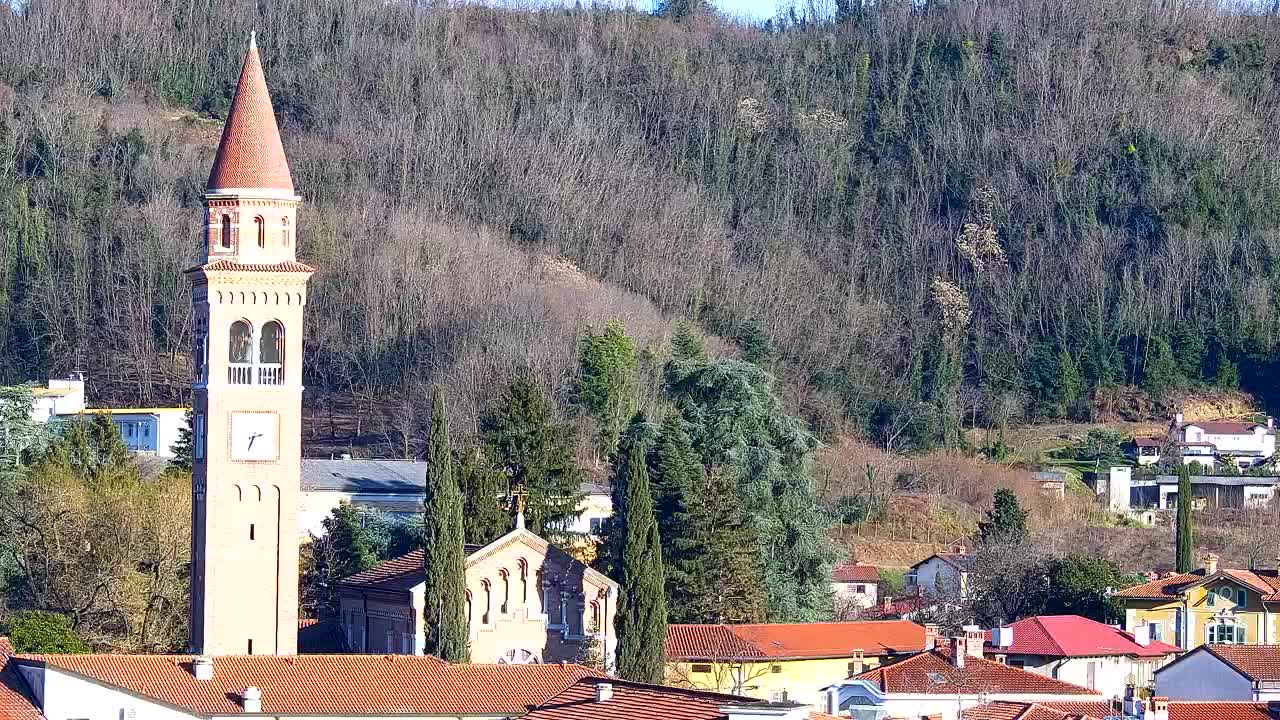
[
  {"x": 396, "y": 487},
  {"x": 1223, "y": 672},
  {"x": 945, "y": 573},
  {"x": 1209, "y": 442},
  {"x": 146, "y": 431},
  {"x": 60, "y": 397},
  {"x": 941, "y": 684},
  {"x": 1082, "y": 651},
  {"x": 855, "y": 585}
]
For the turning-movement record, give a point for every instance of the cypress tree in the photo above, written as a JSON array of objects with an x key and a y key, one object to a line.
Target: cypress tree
[
  {"x": 606, "y": 382},
  {"x": 444, "y": 594},
  {"x": 1186, "y": 543},
  {"x": 641, "y": 622}
]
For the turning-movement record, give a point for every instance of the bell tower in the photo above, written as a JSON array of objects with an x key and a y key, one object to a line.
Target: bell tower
[{"x": 247, "y": 301}]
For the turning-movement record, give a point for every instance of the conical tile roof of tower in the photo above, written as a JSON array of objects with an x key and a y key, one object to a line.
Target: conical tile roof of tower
[{"x": 250, "y": 155}]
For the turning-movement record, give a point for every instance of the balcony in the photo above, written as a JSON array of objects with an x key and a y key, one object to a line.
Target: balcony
[{"x": 255, "y": 374}]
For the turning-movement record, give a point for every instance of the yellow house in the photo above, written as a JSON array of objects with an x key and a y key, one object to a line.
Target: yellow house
[
  {"x": 786, "y": 662},
  {"x": 1208, "y": 605}
]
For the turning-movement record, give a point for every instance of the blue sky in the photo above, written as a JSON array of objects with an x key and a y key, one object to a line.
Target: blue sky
[{"x": 757, "y": 9}]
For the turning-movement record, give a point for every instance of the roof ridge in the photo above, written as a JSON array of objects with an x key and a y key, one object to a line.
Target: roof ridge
[{"x": 1052, "y": 640}]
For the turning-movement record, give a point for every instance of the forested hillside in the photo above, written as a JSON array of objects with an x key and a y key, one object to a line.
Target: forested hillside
[{"x": 917, "y": 215}]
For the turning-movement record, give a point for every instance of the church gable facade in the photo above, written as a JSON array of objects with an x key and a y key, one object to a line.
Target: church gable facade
[{"x": 527, "y": 602}]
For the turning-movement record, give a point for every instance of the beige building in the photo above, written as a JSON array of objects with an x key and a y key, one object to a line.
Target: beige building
[
  {"x": 527, "y": 602},
  {"x": 247, "y": 299}
]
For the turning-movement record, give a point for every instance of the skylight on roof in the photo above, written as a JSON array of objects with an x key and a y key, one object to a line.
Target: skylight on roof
[{"x": 936, "y": 678}]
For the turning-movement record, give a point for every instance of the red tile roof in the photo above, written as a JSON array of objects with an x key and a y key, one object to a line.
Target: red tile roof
[
  {"x": 1183, "y": 710},
  {"x": 1225, "y": 427},
  {"x": 1074, "y": 636},
  {"x": 912, "y": 675},
  {"x": 1007, "y": 710},
  {"x": 284, "y": 266},
  {"x": 634, "y": 701},
  {"x": 397, "y": 574},
  {"x": 1257, "y": 662},
  {"x": 855, "y": 573},
  {"x": 15, "y": 698},
  {"x": 328, "y": 684},
  {"x": 250, "y": 154},
  {"x": 1265, "y": 582},
  {"x": 1149, "y": 442},
  {"x": 783, "y": 641}
]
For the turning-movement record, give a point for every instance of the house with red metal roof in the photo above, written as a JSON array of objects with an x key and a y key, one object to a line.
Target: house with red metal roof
[
  {"x": 1154, "y": 709},
  {"x": 785, "y": 661},
  {"x": 944, "y": 682},
  {"x": 1082, "y": 651},
  {"x": 1249, "y": 673}
]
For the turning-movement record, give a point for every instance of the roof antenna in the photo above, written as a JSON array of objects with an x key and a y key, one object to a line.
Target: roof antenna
[{"x": 253, "y": 39}]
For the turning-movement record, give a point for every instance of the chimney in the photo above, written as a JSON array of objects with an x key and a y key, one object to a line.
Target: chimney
[
  {"x": 959, "y": 549},
  {"x": 604, "y": 692},
  {"x": 1159, "y": 708},
  {"x": 1177, "y": 419},
  {"x": 886, "y": 605},
  {"x": 251, "y": 699},
  {"x": 930, "y": 636},
  {"x": 859, "y": 663},
  {"x": 1001, "y": 658},
  {"x": 1002, "y": 637},
  {"x": 957, "y": 652},
  {"x": 973, "y": 638},
  {"x": 202, "y": 668},
  {"x": 1210, "y": 563},
  {"x": 1142, "y": 635}
]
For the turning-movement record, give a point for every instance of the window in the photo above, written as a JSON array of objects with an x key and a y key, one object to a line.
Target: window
[
  {"x": 250, "y": 531},
  {"x": 506, "y": 591},
  {"x": 1211, "y": 599},
  {"x": 701, "y": 667},
  {"x": 241, "y": 349},
  {"x": 271, "y": 354},
  {"x": 468, "y": 608},
  {"x": 595, "y": 618},
  {"x": 1225, "y": 631},
  {"x": 777, "y": 696},
  {"x": 146, "y": 433},
  {"x": 1016, "y": 662},
  {"x": 775, "y": 669},
  {"x": 1242, "y": 598},
  {"x": 284, "y": 231},
  {"x": 597, "y": 526},
  {"x": 488, "y": 602},
  {"x": 913, "y": 578},
  {"x": 225, "y": 238},
  {"x": 198, "y": 450},
  {"x": 260, "y": 230},
  {"x": 250, "y": 646},
  {"x": 1157, "y": 631},
  {"x": 524, "y": 581}
]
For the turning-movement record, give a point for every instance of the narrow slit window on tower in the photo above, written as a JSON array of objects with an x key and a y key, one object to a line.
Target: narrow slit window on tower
[
  {"x": 260, "y": 227},
  {"x": 284, "y": 231},
  {"x": 250, "y": 646},
  {"x": 250, "y": 531},
  {"x": 225, "y": 239}
]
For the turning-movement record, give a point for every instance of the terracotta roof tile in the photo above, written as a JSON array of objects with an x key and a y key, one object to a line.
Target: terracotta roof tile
[
  {"x": 855, "y": 573},
  {"x": 1182, "y": 710},
  {"x": 634, "y": 701},
  {"x": 250, "y": 154},
  {"x": 1009, "y": 710},
  {"x": 1074, "y": 636},
  {"x": 221, "y": 264},
  {"x": 780, "y": 641},
  {"x": 1258, "y": 662},
  {"x": 397, "y": 574},
  {"x": 328, "y": 684},
  {"x": 1265, "y": 581},
  {"x": 15, "y": 697},
  {"x": 912, "y": 675},
  {"x": 1225, "y": 427}
]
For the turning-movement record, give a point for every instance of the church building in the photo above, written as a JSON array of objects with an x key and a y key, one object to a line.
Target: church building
[{"x": 527, "y": 602}]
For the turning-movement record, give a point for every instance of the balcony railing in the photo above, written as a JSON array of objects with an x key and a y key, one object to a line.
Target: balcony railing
[{"x": 255, "y": 374}]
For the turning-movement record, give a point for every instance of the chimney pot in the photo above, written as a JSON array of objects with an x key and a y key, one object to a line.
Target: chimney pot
[
  {"x": 251, "y": 699},
  {"x": 604, "y": 691},
  {"x": 1001, "y": 658},
  {"x": 202, "y": 668},
  {"x": 957, "y": 651}
]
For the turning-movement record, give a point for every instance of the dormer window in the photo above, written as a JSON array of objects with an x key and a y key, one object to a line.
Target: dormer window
[{"x": 260, "y": 228}]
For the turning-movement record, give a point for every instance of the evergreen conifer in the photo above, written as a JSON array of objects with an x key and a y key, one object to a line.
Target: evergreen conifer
[
  {"x": 1186, "y": 560},
  {"x": 642, "y": 609},
  {"x": 1006, "y": 520},
  {"x": 444, "y": 562},
  {"x": 484, "y": 518}
]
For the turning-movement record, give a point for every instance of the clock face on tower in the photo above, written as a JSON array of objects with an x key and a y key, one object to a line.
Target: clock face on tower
[{"x": 255, "y": 436}]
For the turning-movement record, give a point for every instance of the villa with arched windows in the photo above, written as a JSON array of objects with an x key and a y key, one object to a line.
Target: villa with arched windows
[{"x": 527, "y": 601}]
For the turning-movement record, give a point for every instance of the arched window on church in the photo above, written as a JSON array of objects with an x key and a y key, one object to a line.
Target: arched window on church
[
  {"x": 271, "y": 354},
  {"x": 524, "y": 581},
  {"x": 488, "y": 602},
  {"x": 284, "y": 231},
  {"x": 226, "y": 232},
  {"x": 240, "y": 353},
  {"x": 468, "y": 611},
  {"x": 506, "y": 591},
  {"x": 260, "y": 229},
  {"x": 594, "y": 626}
]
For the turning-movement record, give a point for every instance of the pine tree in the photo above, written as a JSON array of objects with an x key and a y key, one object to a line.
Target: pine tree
[
  {"x": 642, "y": 608},
  {"x": 1006, "y": 520},
  {"x": 536, "y": 452},
  {"x": 183, "y": 450},
  {"x": 606, "y": 382},
  {"x": 484, "y": 518},
  {"x": 687, "y": 343},
  {"x": 444, "y": 594},
  {"x": 1186, "y": 561}
]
